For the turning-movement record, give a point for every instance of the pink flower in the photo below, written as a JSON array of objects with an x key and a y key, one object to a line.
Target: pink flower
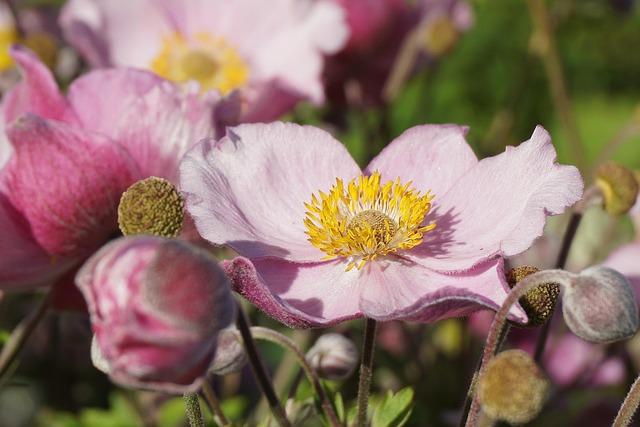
[
  {"x": 156, "y": 308},
  {"x": 273, "y": 51},
  {"x": 418, "y": 235},
  {"x": 65, "y": 161}
]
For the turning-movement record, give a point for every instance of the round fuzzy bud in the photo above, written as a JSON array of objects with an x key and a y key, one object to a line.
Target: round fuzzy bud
[
  {"x": 333, "y": 356},
  {"x": 440, "y": 35},
  {"x": 619, "y": 188},
  {"x": 512, "y": 388},
  {"x": 151, "y": 206},
  {"x": 157, "y": 307},
  {"x": 540, "y": 301},
  {"x": 599, "y": 305},
  {"x": 230, "y": 354}
]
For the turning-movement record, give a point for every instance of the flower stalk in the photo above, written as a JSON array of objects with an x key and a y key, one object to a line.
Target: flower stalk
[
  {"x": 275, "y": 337},
  {"x": 259, "y": 370},
  {"x": 366, "y": 371},
  {"x": 192, "y": 409},
  {"x": 20, "y": 335},
  {"x": 629, "y": 406},
  {"x": 214, "y": 403},
  {"x": 494, "y": 336}
]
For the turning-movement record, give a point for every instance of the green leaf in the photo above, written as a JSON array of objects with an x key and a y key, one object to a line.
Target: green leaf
[
  {"x": 394, "y": 409},
  {"x": 339, "y": 404}
]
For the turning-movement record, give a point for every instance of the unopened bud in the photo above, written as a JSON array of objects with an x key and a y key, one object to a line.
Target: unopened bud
[
  {"x": 512, "y": 388},
  {"x": 230, "y": 354},
  {"x": 540, "y": 301},
  {"x": 440, "y": 35},
  {"x": 599, "y": 305},
  {"x": 619, "y": 188},
  {"x": 151, "y": 206},
  {"x": 333, "y": 356}
]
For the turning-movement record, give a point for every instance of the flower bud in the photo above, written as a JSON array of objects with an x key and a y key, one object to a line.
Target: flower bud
[
  {"x": 230, "y": 355},
  {"x": 512, "y": 388},
  {"x": 599, "y": 305},
  {"x": 156, "y": 308},
  {"x": 333, "y": 356},
  {"x": 540, "y": 301},
  {"x": 151, "y": 206},
  {"x": 619, "y": 188}
]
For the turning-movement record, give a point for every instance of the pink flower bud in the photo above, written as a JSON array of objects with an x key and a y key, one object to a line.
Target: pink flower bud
[
  {"x": 599, "y": 305},
  {"x": 333, "y": 356},
  {"x": 156, "y": 308}
]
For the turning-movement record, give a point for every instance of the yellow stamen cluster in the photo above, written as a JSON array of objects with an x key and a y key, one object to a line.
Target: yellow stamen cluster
[
  {"x": 366, "y": 219},
  {"x": 209, "y": 60}
]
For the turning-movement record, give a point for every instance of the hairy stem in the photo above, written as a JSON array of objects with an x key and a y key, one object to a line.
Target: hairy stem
[
  {"x": 493, "y": 338},
  {"x": 629, "y": 406},
  {"x": 366, "y": 370},
  {"x": 192, "y": 409},
  {"x": 284, "y": 341},
  {"x": 259, "y": 370}
]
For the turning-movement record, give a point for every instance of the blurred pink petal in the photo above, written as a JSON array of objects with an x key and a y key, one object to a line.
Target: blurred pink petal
[
  {"x": 252, "y": 190},
  {"x": 280, "y": 43},
  {"x": 156, "y": 308},
  {"x": 65, "y": 162},
  {"x": 67, "y": 183},
  {"x": 626, "y": 260}
]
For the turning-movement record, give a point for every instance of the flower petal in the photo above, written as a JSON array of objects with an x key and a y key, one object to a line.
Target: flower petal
[
  {"x": 110, "y": 32},
  {"x": 37, "y": 93},
  {"x": 156, "y": 121},
  {"x": 499, "y": 206},
  {"x": 23, "y": 263},
  {"x": 248, "y": 190},
  {"x": 298, "y": 295},
  {"x": 403, "y": 290},
  {"x": 433, "y": 157},
  {"x": 67, "y": 184}
]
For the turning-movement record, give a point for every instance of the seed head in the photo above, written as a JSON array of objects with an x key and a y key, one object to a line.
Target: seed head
[
  {"x": 619, "y": 188},
  {"x": 540, "y": 301}
]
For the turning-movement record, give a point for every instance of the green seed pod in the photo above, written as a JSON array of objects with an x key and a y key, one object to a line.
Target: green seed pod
[
  {"x": 151, "y": 206},
  {"x": 619, "y": 188},
  {"x": 512, "y": 388},
  {"x": 539, "y": 302}
]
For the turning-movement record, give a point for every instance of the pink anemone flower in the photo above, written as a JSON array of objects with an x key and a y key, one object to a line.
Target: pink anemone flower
[
  {"x": 65, "y": 161},
  {"x": 419, "y": 234},
  {"x": 271, "y": 51}
]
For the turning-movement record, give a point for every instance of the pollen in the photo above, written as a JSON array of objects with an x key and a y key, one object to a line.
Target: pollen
[
  {"x": 209, "y": 60},
  {"x": 365, "y": 219}
]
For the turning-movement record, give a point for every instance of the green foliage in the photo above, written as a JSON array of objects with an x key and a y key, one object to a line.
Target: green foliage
[{"x": 394, "y": 409}]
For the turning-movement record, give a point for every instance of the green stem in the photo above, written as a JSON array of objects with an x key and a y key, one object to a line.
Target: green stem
[
  {"x": 20, "y": 334},
  {"x": 192, "y": 409},
  {"x": 366, "y": 371},
  {"x": 259, "y": 371},
  {"x": 284, "y": 341},
  {"x": 214, "y": 403}
]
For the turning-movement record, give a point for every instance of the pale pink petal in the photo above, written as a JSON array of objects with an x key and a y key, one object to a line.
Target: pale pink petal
[
  {"x": 116, "y": 32},
  {"x": 298, "y": 295},
  {"x": 155, "y": 120},
  {"x": 499, "y": 206},
  {"x": 37, "y": 93},
  {"x": 397, "y": 289},
  {"x": 432, "y": 157},
  {"x": 23, "y": 263},
  {"x": 67, "y": 183},
  {"x": 248, "y": 190},
  {"x": 626, "y": 260}
]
